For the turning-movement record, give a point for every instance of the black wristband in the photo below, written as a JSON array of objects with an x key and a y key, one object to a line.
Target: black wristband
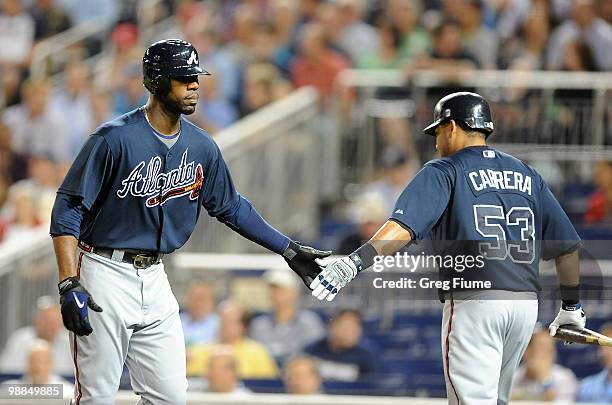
[
  {"x": 363, "y": 257},
  {"x": 67, "y": 284},
  {"x": 291, "y": 250},
  {"x": 570, "y": 295}
]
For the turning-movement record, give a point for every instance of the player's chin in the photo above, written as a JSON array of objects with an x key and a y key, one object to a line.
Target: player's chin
[{"x": 188, "y": 109}]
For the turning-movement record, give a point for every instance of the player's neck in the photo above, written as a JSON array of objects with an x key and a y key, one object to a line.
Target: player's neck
[
  {"x": 162, "y": 120},
  {"x": 471, "y": 141}
]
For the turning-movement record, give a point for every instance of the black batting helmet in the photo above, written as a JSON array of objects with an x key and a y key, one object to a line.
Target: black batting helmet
[
  {"x": 169, "y": 58},
  {"x": 468, "y": 108}
]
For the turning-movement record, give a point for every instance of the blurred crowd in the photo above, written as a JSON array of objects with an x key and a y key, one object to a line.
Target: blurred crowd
[
  {"x": 258, "y": 51},
  {"x": 231, "y": 345}
]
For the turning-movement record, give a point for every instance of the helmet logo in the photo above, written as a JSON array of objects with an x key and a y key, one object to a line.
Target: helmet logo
[{"x": 193, "y": 59}]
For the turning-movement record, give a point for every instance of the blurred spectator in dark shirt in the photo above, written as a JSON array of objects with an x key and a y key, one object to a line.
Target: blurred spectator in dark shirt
[
  {"x": 597, "y": 389},
  {"x": 35, "y": 128},
  {"x": 342, "y": 355},
  {"x": 415, "y": 40},
  {"x": 287, "y": 329},
  {"x": 369, "y": 213},
  {"x": 16, "y": 33},
  {"x": 356, "y": 37},
  {"x": 72, "y": 103},
  {"x": 4, "y": 186},
  {"x": 12, "y": 164},
  {"x": 200, "y": 320},
  {"x": 49, "y": 19},
  {"x": 387, "y": 55},
  {"x": 586, "y": 25},
  {"x": 477, "y": 39},
  {"x": 540, "y": 378},
  {"x": 301, "y": 376},
  {"x": 317, "y": 65},
  {"x": 578, "y": 57},
  {"x": 599, "y": 209},
  {"x": 448, "y": 55}
]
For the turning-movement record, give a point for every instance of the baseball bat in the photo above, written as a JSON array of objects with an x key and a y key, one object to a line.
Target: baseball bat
[{"x": 585, "y": 336}]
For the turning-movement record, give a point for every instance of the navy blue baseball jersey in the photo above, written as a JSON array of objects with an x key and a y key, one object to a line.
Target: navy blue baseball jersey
[
  {"x": 482, "y": 194},
  {"x": 136, "y": 193}
]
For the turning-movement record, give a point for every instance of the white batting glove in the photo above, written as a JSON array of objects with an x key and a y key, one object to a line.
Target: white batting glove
[
  {"x": 568, "y": 315},
  {"x": 333, "y": 277}
]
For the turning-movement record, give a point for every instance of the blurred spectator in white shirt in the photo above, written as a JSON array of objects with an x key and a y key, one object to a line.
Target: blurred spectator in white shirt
[
  {"x": 584, "y": 25},
  {"x": 16, "y": 33},
  {"x": 73, "y": 104},
  {"x": 287, "y": 329},
  {"x": 200, "y": 320},
  {"x": 539, "y": 378},
  {"x": 477, "y": 39},
  {"x": 40, "y": 368},
  {"x": 48, "y": 326},
  {"x": 36, "y": 128},
  {"x": 356, "y": 38}
]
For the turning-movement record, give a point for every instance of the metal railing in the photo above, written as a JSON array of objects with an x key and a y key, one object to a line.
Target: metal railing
[
  {"x": 272, "y": 156},
  {"x": 551, "y": 115}
]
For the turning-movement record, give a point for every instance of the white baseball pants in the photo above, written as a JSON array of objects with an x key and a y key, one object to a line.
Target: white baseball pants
[
  {"x": 483, "y": 341},
  {"x": 139, "y": 326}
]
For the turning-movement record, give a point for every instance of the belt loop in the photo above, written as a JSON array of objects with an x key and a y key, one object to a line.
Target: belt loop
[{"x": 117, "y": 255}]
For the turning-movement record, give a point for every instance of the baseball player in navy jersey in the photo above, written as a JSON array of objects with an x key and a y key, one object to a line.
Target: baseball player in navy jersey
[
  {"x": 480, "y": 194},
  {"x": 132, "y": 195}
]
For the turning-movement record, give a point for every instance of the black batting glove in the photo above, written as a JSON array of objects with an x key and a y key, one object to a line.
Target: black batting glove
[
  {"x": 75, "y": 300},
  {"x": 301, "y": 259}
]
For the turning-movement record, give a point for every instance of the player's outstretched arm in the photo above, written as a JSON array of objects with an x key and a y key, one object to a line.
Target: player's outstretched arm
[
  {"x": 390, "y": 238},
  {"x": 571, "y": 312}
]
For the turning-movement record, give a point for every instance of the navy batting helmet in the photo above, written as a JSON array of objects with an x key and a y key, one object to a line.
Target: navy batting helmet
[
  {"x": 468, "y": 108},
  {"x": 166, "y": 59}
]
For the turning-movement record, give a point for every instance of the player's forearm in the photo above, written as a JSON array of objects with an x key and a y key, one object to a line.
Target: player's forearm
[
  {"x": 390, "y": 238},
  {"x": 65, "y": 252},
  {"x": 568, "y": 269}
]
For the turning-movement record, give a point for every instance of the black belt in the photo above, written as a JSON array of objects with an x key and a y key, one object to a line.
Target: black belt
[{"x": 140, "y": 259}]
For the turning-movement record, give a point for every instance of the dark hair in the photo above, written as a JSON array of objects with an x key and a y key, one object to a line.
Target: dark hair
[
  {"x": 447, "y": 22},
  {"x": 384, "y": 23}
]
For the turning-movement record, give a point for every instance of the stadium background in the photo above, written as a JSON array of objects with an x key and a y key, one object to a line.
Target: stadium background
[{"x": 317, "y": 106}]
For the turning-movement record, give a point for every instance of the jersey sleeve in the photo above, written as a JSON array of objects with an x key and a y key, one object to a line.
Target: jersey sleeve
[
  {"x": 220, "y": 196},
  {"x": 89, "y": 172},
  {"x": 558, "y": 234},
  {"x": 424, "y": 199}
]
